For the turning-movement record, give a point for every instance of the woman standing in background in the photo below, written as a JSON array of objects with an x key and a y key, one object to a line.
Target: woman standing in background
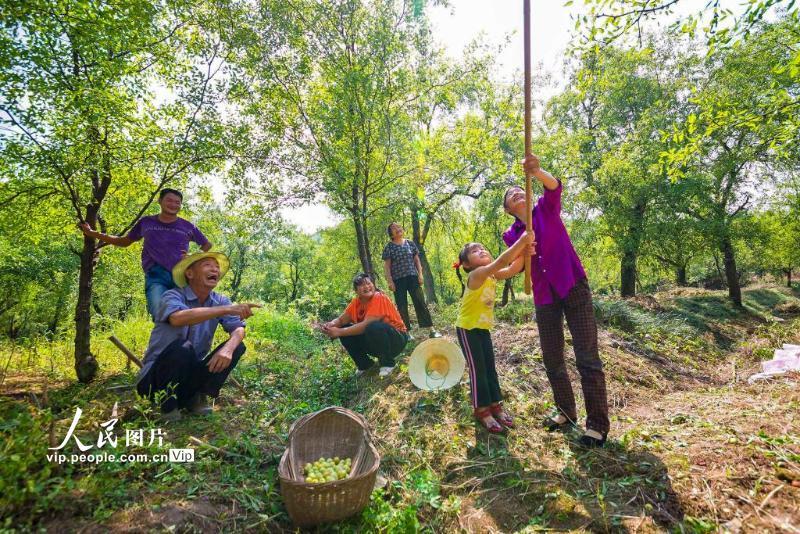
[{"x": 403, "y": 272}]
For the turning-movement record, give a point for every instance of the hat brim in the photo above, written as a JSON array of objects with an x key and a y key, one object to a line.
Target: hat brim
[
  {"x": 179, "y": 271},
  {"x": 417, "y": 364}
]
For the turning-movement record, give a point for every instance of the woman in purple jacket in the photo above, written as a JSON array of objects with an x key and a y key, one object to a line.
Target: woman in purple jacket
[{"x": 560, "y": 289}]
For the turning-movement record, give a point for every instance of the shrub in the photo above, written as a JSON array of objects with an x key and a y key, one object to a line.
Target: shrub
[
  {"x": 630, "y": 318},
  {"x": 29, "y": 483},
  {"x": 290, "y": 333}
]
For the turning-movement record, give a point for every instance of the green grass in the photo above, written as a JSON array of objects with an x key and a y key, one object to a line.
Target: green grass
[
  {"x": 440, "y": 469},
  {"x": 515, "y": 312},
  {"x": 628, "y": 317},
  {"x": 285, "y": 360}
]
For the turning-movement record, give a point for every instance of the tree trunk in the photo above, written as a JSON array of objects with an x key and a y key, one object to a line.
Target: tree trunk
[
  {"x": 362, "y": 242},
  {"x": 85, "y": 363},
  {"x": 628, "y": 274},
  {"x": 680, "y": 276},
  {"x": 237, "y": 268},
  {"x": 731, "y": 276},
  {"x": 631, "y": 252},
  {"x": 719, "y": 269},
  {"x": 294, "y": 275},
  {"x": 122, "y": 314},
  {"x": 508, "y": 290},
  {"x": 788, "y": 277},
  {"x": 16, "y": 328},
  {"x": 60, "y": 305},
  {"x": 427, "y": 274}
]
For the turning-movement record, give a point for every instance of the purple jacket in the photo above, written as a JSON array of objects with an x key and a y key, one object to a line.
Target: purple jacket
[{"x": 555, "y": 264}]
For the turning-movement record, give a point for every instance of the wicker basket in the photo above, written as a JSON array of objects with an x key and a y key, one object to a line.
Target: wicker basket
[{"x": 330, "y": 432}]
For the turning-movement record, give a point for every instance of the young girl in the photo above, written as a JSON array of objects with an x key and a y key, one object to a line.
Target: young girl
[{"x": 476, "y": 317}]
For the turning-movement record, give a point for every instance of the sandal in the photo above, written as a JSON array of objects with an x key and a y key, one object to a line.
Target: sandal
[
  {"x": 491, "y": 425},
  {"x": 501, "y": 416}
]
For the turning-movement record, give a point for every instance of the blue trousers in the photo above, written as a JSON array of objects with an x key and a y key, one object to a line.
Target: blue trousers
[{"x": 157, "y": 281}]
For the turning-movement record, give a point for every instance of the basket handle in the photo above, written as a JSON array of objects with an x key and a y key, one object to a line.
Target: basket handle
[
  {"x": 300, "y": 422},
  {"x": 360, "y": 419},
  {"x": 363, "y": 422}
]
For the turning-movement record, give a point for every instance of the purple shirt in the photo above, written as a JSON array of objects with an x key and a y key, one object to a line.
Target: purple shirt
[
  {"x": 164, "y": 243},
  {"x": 555, "y": 264}
]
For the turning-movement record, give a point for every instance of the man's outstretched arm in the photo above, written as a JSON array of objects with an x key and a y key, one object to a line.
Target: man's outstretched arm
[
  {"x": 192, "y": 316},
  {"x": 116, "y": 240}
]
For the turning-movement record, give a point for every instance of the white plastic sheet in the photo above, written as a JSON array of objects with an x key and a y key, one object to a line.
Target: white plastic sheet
[{"x": 783, "y": 360}]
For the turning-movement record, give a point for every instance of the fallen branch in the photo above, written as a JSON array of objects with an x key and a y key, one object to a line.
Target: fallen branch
[
  {"x": 238, "y": 385},
  {"x": 126, "y": 351},
  {"x": 121, "y": 387},
  {"x": 768, "y": 497},
  {"x": 200, "y": 443}
]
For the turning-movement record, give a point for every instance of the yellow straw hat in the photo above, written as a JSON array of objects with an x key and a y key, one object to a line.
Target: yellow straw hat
[
  {"x": 179, "y": 271},
  {"x": 436, "y": 364}
]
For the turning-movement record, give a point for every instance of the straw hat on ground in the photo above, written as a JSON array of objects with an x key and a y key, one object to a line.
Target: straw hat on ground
[
  {"x": 179, "y": 271},
  {"x": 436, "y": 364}
]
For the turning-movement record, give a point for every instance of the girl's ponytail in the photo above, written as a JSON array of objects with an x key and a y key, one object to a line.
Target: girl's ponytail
[
  {"x": 462, "y": 258},
  {"x": 457, "y": 267}
]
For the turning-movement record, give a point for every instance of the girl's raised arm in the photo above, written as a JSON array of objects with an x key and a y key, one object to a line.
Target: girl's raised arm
[
  {"x": 478, "y": 276},
  {"x": 513, "y": 268}
]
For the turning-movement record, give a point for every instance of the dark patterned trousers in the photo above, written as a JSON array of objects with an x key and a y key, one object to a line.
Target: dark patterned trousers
[
  {"x": 578, "y": 310},
  {"x": 180, "y": 373}
]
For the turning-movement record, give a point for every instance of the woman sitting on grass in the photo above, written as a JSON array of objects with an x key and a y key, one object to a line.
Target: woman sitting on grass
[{"x": 369, "y": 326}]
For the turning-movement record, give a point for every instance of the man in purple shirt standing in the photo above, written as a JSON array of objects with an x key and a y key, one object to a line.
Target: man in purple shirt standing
[
  {"x": 166, "y": 240},
  {"x": 560, "y": 289}
]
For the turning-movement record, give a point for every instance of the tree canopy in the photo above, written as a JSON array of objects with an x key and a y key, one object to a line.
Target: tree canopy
[{"x": 677, "y": 147}]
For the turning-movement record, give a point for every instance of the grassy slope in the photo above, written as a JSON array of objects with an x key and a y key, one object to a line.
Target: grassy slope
[{"x": 694, "y": 447}]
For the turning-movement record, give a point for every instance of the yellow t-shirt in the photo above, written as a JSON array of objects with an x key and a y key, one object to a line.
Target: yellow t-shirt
[{"x": 477, "y": 306}]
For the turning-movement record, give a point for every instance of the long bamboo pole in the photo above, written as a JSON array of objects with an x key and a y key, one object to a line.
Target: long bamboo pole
[{"x": 528, "y": 200}]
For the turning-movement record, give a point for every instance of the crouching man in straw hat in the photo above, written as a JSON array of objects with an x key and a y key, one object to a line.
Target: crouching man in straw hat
[{"x": 179, "y": 361}]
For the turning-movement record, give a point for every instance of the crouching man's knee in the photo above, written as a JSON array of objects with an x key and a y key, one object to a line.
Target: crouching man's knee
[{"x": 239, "y": 351}]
